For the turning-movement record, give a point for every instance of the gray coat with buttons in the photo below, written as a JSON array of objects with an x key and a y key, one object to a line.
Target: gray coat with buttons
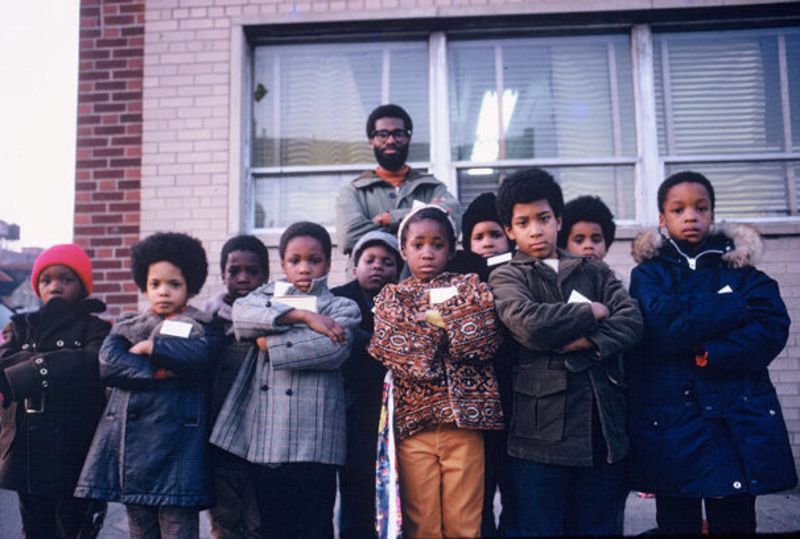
[
  {"x": 288, "y": 404},
  {"x": 49, "y": 359}
]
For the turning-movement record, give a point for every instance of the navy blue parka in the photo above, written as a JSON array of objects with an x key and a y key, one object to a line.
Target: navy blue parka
[{"x": 713, "y": 427}]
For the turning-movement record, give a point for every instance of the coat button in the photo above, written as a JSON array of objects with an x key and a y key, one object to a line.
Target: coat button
[
  {"x": 289, "y": 392},
  {"x": 737, "y": 485},
  {"x": 392, "y": 194},
  {"x": 655, "y": 423},
  {"x": 268, "y": 304},
  {"x": 78, "y": 344},
  {"x": 39, "y": 360},
  {"x": 60, "y": 343},
  {"x": 133, "y": 416},
  {"x": 289, "y": 344},
  {"x": 264, "y": 387},
  {"x": 772, "y": 412},
  {"x": 25, "y": 346},
  {"x": 43, "y": 371}
]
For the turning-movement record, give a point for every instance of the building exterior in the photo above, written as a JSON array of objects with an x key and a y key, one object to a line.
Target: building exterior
[{"x": 215, "y": 117}]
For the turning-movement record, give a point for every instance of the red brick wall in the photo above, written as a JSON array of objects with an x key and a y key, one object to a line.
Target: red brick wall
[{"x": 109, "y": 143}]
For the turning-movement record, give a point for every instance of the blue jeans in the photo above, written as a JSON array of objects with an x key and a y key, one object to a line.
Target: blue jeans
[{"x": 567, "y": 500}]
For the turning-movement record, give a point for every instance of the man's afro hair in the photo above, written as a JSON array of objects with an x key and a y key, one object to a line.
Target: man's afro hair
[{"x": 183, "y": 251}]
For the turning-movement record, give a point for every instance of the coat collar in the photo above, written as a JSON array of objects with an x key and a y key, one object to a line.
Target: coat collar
[
  {"x": 319, "y": 287},
  {"x": 369, "y": 178},
  {"x": 737, "y": 244},
  {"x": 567, "y": 263}
]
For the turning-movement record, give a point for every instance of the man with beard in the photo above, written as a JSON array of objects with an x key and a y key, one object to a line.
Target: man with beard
[{"x": 379, "y": 199}]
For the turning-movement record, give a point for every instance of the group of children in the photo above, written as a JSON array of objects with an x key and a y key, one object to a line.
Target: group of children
[{"x": 520, "y": 362}]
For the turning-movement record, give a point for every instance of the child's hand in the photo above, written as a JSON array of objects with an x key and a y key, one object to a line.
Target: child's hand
[
  {"x": 144, "y": 348},
  {"x": 325, "y": 326},
  {"x": 261, "y": 342},
  {"x": 599, "y": 311},
  {"x": 581, "y": 343}
]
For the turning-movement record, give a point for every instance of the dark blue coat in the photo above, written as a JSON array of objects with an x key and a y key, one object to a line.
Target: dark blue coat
[
  {"x": 150, "y": 447},
  {"x": 713, "y": 430}
]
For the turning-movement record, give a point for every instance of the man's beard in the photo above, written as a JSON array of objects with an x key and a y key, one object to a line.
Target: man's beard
[{"x": 393, "y": 161}]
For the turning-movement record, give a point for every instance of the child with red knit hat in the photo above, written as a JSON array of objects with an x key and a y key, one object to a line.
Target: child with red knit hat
[{"x": 52, "y": 397}]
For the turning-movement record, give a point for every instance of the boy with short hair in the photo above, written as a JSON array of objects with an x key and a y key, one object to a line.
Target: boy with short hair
[
  {"x": 706, "y": 425},
  {"x": 570, "y": 316},
  {"x": 285, "y": 412},
  {"x": 587, "y": 228},
  {"x": 244, "y": 263},
  {"x": 376, "y": 262}
]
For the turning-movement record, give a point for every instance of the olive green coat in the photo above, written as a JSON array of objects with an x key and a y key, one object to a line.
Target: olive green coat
[{"x": 554, "y": 393}]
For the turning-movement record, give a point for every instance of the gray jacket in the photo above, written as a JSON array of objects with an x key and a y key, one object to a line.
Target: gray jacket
[
  {"x": 369, "y": 195},
  {"x": 287, "y": 404},
  {"x": 554, "y": 393}
]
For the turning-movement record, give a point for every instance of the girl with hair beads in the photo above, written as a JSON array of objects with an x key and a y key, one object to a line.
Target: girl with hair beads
[{"x": 437, "y": 333}]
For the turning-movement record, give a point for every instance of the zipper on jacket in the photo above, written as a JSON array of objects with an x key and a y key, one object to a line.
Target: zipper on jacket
[{"x": 693, "y": 261}]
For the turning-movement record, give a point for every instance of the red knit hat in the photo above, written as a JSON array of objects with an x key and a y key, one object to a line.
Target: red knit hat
[{"x": 66, "y": 254}]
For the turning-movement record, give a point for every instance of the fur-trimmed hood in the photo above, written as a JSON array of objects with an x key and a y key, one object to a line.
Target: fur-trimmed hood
[{"x": 739, "y": 244}]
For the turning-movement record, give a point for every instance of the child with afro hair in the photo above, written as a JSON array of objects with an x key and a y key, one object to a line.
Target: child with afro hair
[
  {"x": 150, "y": 451},
  {"x": 587, "y": 228}
]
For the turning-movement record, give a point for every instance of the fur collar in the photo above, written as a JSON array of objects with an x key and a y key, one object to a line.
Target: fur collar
[
  {"x": 141, "y": 326},
  {"x": 747, "y": 244},
  {"x": 216, "y": 306}
]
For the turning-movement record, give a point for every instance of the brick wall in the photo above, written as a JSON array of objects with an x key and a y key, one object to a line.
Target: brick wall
[{"x": 109, "y": 143}]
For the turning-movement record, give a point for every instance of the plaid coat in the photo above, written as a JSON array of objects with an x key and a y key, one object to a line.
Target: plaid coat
[{"x": 287, "y": 404}]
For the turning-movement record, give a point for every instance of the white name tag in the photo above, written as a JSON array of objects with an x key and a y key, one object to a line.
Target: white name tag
[
  {"x": 725, "y": 290},
  {"x": 577, "y": 297},
  {"x": 440, "y": 295},
  {"x": 176, "y": 328},
  {"x": 498, "y": 259},
  {"x": 307, "y": 303},
  {"x": 281, "y": 288}
]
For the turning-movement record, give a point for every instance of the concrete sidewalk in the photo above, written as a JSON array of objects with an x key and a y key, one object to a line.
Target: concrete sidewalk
[{"x": 777, "y": 513}]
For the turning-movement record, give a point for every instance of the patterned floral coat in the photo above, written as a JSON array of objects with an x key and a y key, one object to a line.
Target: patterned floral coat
[{"x": 441, "y": 375}]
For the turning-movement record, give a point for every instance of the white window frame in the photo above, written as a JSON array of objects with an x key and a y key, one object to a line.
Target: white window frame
[{"x": 649, "y": 166}]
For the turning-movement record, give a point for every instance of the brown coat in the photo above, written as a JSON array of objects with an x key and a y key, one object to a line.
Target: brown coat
[
  {"x": 440, "y": 375},
  {"x": 554, "y": 393}
]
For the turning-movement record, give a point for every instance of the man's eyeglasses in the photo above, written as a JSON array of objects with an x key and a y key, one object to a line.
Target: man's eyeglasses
[{"x": 400, "y": 135}]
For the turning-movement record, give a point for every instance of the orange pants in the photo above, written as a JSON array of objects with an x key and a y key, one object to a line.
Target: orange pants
[{"x": 441, "y": 482}]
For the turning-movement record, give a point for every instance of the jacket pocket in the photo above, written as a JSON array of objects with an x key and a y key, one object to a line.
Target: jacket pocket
[
  {"x": 540, "y": 398},
  {"x": 190, "y": 402}
]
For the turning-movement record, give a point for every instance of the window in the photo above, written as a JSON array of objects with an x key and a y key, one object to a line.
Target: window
[
  {"x": 565, "y": 103},
  {"x": 311, "y": 103},
  {"x": 727, "y": 103}
]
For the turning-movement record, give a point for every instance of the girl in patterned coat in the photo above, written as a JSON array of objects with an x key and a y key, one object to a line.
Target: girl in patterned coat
[{"x": 437, "y": 332}]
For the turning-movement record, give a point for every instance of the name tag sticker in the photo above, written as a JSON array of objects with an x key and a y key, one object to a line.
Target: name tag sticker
[
  {"x": 307, "y": 303},
  {"x": 281, "y": 288},
  {"x": 498, "y": 259},
  {"x": 176, "y": 328},
  {"x": 577, "y": 297},
  {"x": 725, "y": 290},
  {"x": 440, "y": 295}
]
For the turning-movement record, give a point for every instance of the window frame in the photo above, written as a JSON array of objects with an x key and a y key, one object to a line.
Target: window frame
[{"x": 649, "y": 166}]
